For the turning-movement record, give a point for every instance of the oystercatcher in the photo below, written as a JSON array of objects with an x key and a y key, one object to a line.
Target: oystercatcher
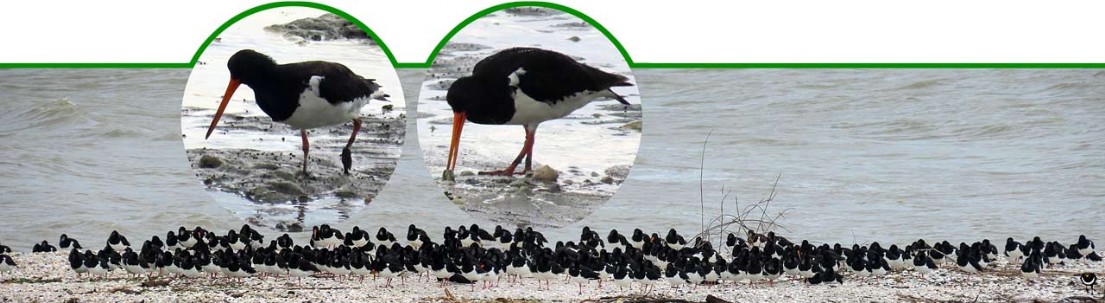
[
  {"x": 524, "y": 86},
  {"x": 357, "y": 238},
  {"x": 923, "y": 264},
  {"x": 96, "y": 265},
  {"x": 1013, "y": 249},
  {"x": 968, "y": 261},
  {"x": 76, "y": 262},
  {"x": 1088, "y": 279},
  {"x": 1030, "y": 269},
  {"x": 359, "y": 266},
  {"x": 302, "y": 95},
  {"x": 301, "y": 268},
  {"x": 65, "y": 242},
  {"x": 133, "y": 264},
  {"x": 622, "y": 278},
  {"x": 117, "y": 241},
  {"x": 1085, "y": 246},
  {"x": 7, "y": 265},
  {"x": 43, "y": 247}
]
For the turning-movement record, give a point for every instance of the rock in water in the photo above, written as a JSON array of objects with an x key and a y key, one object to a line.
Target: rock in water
[
  {"x": 544, "y": 173},
  {"x": 618, "y": 172},
  {"x": 321, "y": 28},
  {"x": 207, "y": 161},
  {"x": 532, "y": 11},
  {"x": 607, "y": 180},
  {"x": 634, "y": 125}
]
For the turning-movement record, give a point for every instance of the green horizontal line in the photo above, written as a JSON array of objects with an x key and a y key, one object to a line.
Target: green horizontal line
[
  {"x": 412, "y": 65},
  {"x": 645, "y": 65},
  {"x": 866, "y": 65},
  {"x": 625, "y": 54}
]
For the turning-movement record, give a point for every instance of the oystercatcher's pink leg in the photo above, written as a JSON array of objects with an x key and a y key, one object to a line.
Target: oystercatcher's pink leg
[
  {"x": 526, "y": 153},
  {"x": 353, "y": 136},
  {"x": 306, "y": 148},
  {"x": 529, "y": 153}
]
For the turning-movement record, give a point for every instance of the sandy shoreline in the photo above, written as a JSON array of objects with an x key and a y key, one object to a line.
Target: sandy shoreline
[{"x": 46, "y": 277}]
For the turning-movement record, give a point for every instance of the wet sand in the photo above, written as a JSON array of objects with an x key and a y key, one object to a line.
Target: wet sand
[
  {"x": 268, "y": 176},
  {"x": 270, "y": 183}
]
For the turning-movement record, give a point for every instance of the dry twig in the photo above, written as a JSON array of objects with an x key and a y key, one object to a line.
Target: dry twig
[{"x": 741, "y": 220}]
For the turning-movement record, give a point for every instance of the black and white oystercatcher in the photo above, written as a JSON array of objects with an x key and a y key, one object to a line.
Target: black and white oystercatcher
[
  {"x": 7, "y": 265},
  {"x": 302, "y": 95},
  {"x": 524, "y": 86},
  {"x": 1088, "y": 279}
]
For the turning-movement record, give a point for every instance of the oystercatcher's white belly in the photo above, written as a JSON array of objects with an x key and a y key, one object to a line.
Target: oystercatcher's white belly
[
  {"x": 530, "y": 111},
  {"x": 316, "y": 112}
]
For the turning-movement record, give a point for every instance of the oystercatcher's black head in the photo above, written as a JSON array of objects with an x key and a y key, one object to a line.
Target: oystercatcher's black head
[
  {"x": 462, "y": 93},
  {"x": 246, "y": 66}
]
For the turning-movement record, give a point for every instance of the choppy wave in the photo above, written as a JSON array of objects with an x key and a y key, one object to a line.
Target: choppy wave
[
  {"x": 1040, "y": 160},
  {"x": 47, "y": 114},
  {"x": 923, "y": 84},
  {"x": 936, "y": 146},
  {"x": 120, "y": 133}
]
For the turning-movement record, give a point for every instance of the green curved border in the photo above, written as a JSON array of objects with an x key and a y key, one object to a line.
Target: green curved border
[
  {"x": 569, "y": 10},
  {"x": 324, "y": 7},
  {"x": 496, "y": 8}
]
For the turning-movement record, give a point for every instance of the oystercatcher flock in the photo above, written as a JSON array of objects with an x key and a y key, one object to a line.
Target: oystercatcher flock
[{"x": 486, "y": 258}]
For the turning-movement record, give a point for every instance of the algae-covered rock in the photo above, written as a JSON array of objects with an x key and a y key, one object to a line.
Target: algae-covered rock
[
  {"x": 208, "y": 161},
  {"x": 321, "y": 28}
]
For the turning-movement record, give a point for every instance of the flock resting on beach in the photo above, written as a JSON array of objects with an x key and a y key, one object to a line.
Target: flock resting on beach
[{"x": 471, "y": 254}]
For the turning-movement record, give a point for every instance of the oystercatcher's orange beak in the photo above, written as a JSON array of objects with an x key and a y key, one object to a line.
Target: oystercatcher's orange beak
[
  {"x": 454, "y": 145},
  {"x": 230, "y": 88}
]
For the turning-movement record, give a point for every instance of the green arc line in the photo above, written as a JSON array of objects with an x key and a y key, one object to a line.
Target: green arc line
[
  {"x": 263, "y": 7},
  {"x": 487, "y": 11},
  {"x": 569, "y": 10}
]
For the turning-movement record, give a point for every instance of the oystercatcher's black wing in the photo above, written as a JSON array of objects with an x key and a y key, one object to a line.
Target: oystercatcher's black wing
[
  {"x": 339, "y": 83},
  {"x": 549, "y": 76}
]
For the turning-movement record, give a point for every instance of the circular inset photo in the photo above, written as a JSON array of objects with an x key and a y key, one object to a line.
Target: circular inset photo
[
  {"x": 293, "y": 116},
  {"x": 529, "y": 116}
]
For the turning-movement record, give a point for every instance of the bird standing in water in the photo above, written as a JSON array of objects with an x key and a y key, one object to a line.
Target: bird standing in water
[
  {"x": 303, "y": 95},
  {"x": 524, "y": 86}
]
